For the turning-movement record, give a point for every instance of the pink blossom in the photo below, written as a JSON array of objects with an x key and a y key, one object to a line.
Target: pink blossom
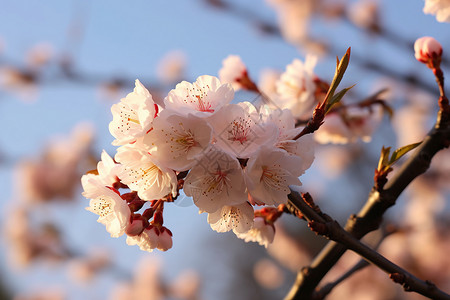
[
  {"x": 440, "y": 8},
  {"x": 261, "y": 232},
  {"x": 232, "y": 71},
  {"x": 427, "y": 49},
  {"x": 151, "y": 238}
]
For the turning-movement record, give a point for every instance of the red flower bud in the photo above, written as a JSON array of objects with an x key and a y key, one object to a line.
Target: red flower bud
[{"x": 428, "y": 51}]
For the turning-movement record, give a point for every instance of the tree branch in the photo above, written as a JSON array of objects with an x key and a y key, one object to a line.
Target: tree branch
[
  {"x": 329, "y": 228},
  {"x": 361, "y": 264},
  {"x": 370, "y": 216}
]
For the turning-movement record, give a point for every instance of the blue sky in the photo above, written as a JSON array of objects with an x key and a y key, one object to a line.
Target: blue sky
[{"x": 128, "y": 38}]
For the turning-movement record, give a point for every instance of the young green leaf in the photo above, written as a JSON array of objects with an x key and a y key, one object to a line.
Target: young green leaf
[{"x": 397, "y": 154}]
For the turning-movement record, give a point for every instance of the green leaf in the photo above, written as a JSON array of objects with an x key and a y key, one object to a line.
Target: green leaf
[
  {"x": 384, "y": 158},
  {"x": 336, "y": 98},
  {"x": 341, "y": 66},
  {"x": 397, "y": 154}
]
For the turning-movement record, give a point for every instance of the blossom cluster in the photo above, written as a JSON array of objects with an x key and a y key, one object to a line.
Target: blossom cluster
[
  {"x": 299, "y": 90},
  {"x": 229, "y": 157}
]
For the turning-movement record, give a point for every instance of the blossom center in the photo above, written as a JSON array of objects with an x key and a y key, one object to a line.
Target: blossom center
[
  {"x": 239, "y": 131},
  {"x": 271, "y": 178},
  {"x": 186, "y": 139},
  {"x": 218, "y": 181},
  {"x": 102, "y": 207}
]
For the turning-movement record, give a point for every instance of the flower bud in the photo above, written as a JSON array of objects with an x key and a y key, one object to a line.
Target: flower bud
[
  {"x": 165, "y": 239},
  {"x": 428, "y": 51},
  {"x": 136, "y": 226}
]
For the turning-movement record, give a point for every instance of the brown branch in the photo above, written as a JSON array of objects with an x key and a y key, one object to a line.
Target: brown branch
[
  {"x": 325, "y": 226},
  {"x": 370, "y": 216},
  {"x": 361, "y": 264}
]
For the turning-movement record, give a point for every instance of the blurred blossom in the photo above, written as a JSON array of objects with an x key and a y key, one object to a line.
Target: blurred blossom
[
  {"x": 122, "y": 291},
  {"x": 55, "y": 174},
  {"x": 364, "y": 14},
  {"x": 44, "y": 293},
  {"x": 28, "y": 241},
  {"x": 293, "y": 18},
  {"x": 172, "y": 67},
  {"x": 315, "y": 45},
  {"x": 333, "y": 160},
  {"x": 186, "y": 286},
  {"x": 393, "y": 247},
  {"x": 39, "y": 55},
  {"x": 352, "y": 124},
  {"x": 410, "y": 123},
  {"x": 17, "y": 233},
  {"x": 84, "y": 269},
  {"x": 440, "y": 166},
  {"x": 147, "y": 283},
  {"x": 367, "y": 284},
  {"x": 439, "y": 8},
  {"x": 287, "y": 251},
  {"x": 425, "y": 204},
  {"x": 393, "y": 90},
  {"x": 425, "y": 244},
  {"x": 110, "y": 90},
  {"x": 18, "y": 82},
  {"x": 268, "y": 274},
  {"x": 267, "y": 82}
]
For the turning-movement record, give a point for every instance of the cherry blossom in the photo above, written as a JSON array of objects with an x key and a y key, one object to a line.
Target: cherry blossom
[
  {"x": 261, "y": 232},
  {"x": 172, "y": 66},
  {"x": 364, "y": 14},
  {"x": 136, "y": 225},
  {"x": 178, "y": 141},
  {"x": 234, "y": 71},
  {"x": 296, "y": 87},
  {"x": 427, "y": 49},
  {"x": 293, "y": 18},
  {"x": 202, "y": 98},
  {"x": 147, "y": 240},
  {"x": 217, "y": 180},
  {"x": 267, "y": 82},
  {"x": 269, "y": 174},
  {"x": 132, "y": 116},
  {"x": 105, "y": 202},
  {"x": 142, "y": 173},
  {"x": 239, "y": 130},
  {"x": 355, "y": 123},
  {"x": 440, "y": 8},
  {"x": 302, "y": 148},
  {"x": 153, "y": 237},
  {"x": 238, "y": 218},
  {"x": 108, "y": 169},
  {"x": 283, "y": 119}
]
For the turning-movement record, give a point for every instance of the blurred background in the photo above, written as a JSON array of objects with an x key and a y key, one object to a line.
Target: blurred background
[{"x": 64, "y": 63}]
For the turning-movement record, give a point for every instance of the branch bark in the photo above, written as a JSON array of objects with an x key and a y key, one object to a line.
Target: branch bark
[
  {"x": 329, "y": 228},
  {"x": 370, "y": 216}
]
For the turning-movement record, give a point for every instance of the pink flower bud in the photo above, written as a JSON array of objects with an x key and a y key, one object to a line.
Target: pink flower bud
[
  {"x": 165, "y": 239},
  {"x": 428, "y": 50},
  {"x": 135, "y": 227}
]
